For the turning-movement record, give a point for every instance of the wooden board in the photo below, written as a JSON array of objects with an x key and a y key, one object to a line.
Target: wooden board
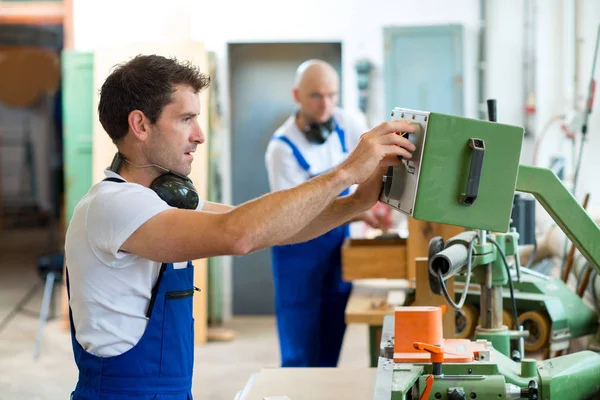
[
  {"x": 425, "y": 297},
  {"x": 31, "y": 12},
  {"x": 312, "y": 384},
  {"x": 374, "y": 258},
  {"x": 368, "y": 301}
]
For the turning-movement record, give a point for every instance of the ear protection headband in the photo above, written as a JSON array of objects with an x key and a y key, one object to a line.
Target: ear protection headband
[
  {"x": 319, "y": 132},
  {"x": 175, "y": 189}
]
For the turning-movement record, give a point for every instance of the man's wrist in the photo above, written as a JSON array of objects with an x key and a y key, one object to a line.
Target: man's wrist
[
  {"x": 356, "y": 207},
  {"x": 342, "y": 176}
]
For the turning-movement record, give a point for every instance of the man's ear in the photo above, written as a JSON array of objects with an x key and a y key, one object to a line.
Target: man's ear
[
  {"x": 296, "y": 94},
  {"x": 139, "y": 125}
]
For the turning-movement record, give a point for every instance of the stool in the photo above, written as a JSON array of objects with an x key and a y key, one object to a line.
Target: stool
[{"x": 50, "y": 268}]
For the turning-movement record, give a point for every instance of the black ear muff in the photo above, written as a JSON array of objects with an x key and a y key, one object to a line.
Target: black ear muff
[
  {"x": 176, "y": 190},
  {"x": 319, "y": 133}
]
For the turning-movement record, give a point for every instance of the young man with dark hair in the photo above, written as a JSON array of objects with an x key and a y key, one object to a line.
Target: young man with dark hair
[{"x": 128, "y": 244}]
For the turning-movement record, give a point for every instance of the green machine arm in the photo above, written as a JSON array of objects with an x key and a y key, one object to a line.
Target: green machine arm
[{"x": 564, "y": 209}]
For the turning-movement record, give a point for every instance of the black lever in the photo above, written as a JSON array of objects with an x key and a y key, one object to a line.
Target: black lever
[
  {"x": 491, "y": 106},
  {"x": 478, "y": 151}
]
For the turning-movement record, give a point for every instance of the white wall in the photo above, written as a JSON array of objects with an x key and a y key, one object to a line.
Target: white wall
[
  {"x": 555, "y": 89},
  {"x": 359, "y": 26}
]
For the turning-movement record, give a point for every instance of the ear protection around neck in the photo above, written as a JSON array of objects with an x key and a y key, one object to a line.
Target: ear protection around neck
[
  {"x": 319, "y": 132},
  {"x": 175, "y": 189}
]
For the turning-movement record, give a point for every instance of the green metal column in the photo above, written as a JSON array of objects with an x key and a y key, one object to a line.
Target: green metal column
[{"x": 78, "y": 114}]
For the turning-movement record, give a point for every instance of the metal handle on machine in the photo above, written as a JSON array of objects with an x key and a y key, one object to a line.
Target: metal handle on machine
[
  {"x": 478, "y": 151},
  {"x": 436, "y": 353}
]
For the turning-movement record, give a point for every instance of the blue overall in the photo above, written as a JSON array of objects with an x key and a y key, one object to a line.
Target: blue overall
[
  {"x": 160, "y": 365},
  {"x": 310, "y": 295}
]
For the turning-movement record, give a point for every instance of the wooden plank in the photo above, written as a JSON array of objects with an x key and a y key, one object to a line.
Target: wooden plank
[
  {"x": 425, "y": 297},
  {"x": 312, "y": 384},
  {"x": 419, "y": 235},
  {"x": 32, "y": 13},
  {"x": 374, "y": 258}
]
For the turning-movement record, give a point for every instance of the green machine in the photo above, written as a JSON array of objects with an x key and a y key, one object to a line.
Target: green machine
[
  {"x": 547, "y": 308},
  {"x": 465, "y": 172}
]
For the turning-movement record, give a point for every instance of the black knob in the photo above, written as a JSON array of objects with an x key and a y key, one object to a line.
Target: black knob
[
  {"x": 531, "y": 392},
  {"x": 456, "y": 394},
  {"x": 491, "y": 106},
  {"x": 516, "y": 356}
]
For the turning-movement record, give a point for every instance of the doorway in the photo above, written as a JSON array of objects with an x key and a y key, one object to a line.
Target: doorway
[{"x": 261, "y": 80}]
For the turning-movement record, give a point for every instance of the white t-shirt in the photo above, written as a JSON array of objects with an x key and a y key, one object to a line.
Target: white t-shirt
[
  {"x": 109, "y": 289},
  {"x": 282, "y": 167}
]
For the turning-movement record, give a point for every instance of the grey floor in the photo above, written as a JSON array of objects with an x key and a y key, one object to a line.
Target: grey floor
[{"x": 221, "y": 369}]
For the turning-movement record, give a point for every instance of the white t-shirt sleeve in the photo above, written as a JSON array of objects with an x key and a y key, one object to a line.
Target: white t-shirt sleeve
[
  {"x": 283, "y": 169},
  {"x": 116, "y": 214}
]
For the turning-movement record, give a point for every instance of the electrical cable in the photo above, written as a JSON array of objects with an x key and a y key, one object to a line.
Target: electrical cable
[
  {"x": 463, "y": 297},
  {"x": 540, "y": 138}
]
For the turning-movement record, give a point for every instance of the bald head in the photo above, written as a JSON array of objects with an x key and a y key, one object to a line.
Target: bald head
[
  {"x": 316, "y": 90},
  {"x": 312, "y": 70}
]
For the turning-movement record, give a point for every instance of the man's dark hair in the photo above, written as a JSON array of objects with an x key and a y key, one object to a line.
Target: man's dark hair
[{"x": 145, "y": 83}]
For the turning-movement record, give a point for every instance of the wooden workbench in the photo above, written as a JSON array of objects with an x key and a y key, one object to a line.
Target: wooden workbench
[{"x": 311, "y": 384}]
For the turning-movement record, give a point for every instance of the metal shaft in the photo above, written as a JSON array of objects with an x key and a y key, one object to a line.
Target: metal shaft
[{"x": 490, "y": 308}]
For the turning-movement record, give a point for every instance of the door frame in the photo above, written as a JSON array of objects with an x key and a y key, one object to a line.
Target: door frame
[{"x": 455, "y": 31}]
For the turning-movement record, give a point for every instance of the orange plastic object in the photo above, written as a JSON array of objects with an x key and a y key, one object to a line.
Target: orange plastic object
[
  {"x": 424, "y": 325},
  {"x": 437, "y": 354},
  {"x": 416, "y": 324},
  {"x": 428, "y": 387}
]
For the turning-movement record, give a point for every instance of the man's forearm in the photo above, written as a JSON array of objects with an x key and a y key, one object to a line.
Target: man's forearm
[
  {"x": 341, "y": 211},
  {"x": 277, "y": 216}
]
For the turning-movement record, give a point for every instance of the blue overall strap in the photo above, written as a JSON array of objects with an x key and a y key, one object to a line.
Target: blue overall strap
[
  {"x": 160, "y": 364},
  {"x": 301, "y": 160},
  {"x": 342, "y": 137}
]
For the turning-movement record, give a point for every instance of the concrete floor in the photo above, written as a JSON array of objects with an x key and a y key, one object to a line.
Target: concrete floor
[{"x": 221, "y": 369}]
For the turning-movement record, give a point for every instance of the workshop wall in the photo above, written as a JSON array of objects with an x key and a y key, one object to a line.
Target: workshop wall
[
  {"x": 358, "y": 25},
  {"x": 555, "y": 89}
]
